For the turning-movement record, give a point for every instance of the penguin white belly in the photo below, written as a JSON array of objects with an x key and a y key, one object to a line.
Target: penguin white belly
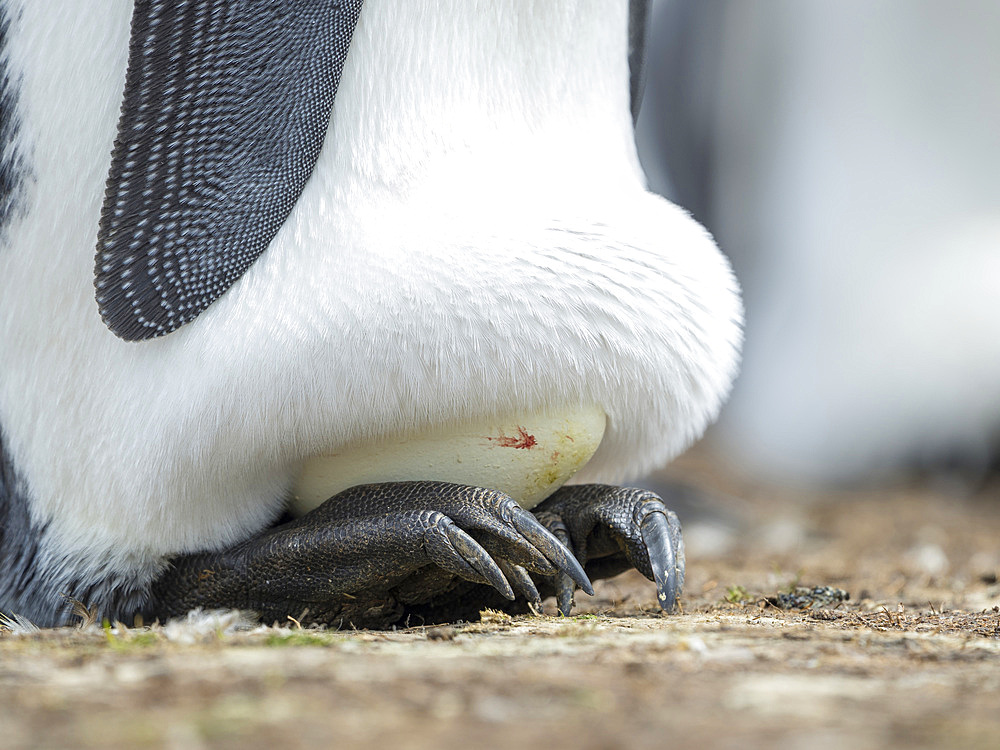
[{"x": 527, "y": 456}]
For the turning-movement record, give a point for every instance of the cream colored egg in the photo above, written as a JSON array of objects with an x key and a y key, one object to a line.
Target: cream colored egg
[{"x": 528, "y": 456}]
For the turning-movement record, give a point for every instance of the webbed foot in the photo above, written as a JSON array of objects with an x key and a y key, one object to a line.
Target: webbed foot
[{"x": 368, "y": 554}]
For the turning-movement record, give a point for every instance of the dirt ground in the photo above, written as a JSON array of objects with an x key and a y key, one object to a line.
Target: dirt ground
[{"x": 911, "y": 659}]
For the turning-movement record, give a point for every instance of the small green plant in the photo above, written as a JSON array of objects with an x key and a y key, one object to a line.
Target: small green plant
[
  {"x": 143, "y": 639},
  {"x": 128, "y": 639},
  {"x": 737, "y": 595},
  {"x": 108, "y": 635}
]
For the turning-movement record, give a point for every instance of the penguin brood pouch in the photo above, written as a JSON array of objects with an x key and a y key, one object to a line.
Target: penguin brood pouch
[{"x": 310, "y": 308}]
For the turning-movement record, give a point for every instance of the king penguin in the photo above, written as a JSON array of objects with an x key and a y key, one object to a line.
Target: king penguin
[{"x": 236, "y": 235}]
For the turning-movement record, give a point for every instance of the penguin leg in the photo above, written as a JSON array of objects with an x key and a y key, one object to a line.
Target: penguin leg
[
  {"x": 366, "y": 554},
  {"x": 613, "y": 529}
]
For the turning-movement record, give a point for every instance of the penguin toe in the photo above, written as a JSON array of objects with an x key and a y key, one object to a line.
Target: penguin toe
[
  {"x": 612, "y": 529},
  {"x": 452, "y": 549},
  {"x": 521, "y": 581}
]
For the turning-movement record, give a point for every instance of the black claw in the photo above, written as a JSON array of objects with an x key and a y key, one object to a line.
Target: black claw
[
  {"x": 564, "y": 594},
  {"x": 551, "y": 547},
  {"x": 521, "y": 581},
  {"x": 563, "y": 583},
  {"x": 656, "y": 536},
  {"x": 501, "y": 539},
  {"x": 480, "y": 560}
]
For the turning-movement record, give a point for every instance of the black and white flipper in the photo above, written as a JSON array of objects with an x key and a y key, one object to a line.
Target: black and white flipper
[
  {"x": 225, "y": 110},
  {"x": 638, "y": 32}
]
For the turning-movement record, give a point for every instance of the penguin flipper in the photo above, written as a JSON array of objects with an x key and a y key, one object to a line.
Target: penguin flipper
[
  {"x": 368, "y": 554},
  {"x": 225, "y": 109},
  {"x": 638, "y": 33}
]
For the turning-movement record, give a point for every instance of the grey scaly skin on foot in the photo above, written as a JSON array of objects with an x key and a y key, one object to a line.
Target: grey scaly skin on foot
[
  {"x": 361, "y": 557},
  {"x": 388, "y": 554}
]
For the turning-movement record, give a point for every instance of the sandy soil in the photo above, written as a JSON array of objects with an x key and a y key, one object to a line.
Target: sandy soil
[{"x": 912, "y": 658}]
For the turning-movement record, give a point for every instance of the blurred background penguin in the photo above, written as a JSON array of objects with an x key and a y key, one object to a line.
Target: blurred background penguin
[{"x": 845, "y": 155}]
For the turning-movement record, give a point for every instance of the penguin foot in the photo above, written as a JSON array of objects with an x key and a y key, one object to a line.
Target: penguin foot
[
  {"x": 610, "y": 530},
  {"x": 613, "y": 529},
  {"x": 369, "y": 555}
]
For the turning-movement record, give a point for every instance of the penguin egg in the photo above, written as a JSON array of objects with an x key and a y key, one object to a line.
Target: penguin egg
[{"x": 528, "y": 456}]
